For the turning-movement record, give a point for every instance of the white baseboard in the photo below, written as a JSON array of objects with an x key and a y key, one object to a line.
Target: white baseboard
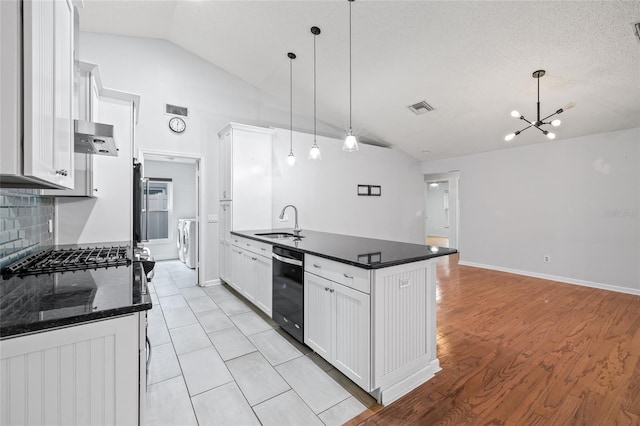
[
  {"x": 212, "y": 282},
  {"x": 635, "y": 292},
  {"x": 388, "y": 395}
]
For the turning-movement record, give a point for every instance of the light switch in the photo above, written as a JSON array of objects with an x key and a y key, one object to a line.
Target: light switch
[{"x": 212, "y": 218}]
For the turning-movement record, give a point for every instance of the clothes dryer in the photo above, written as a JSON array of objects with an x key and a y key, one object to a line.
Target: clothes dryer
[
  {"x": 189, "y": 247},
  {"x": 180, "y": 239}
]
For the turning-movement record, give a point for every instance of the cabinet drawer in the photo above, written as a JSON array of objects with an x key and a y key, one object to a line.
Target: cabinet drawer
[
  {"x": 257, "y": 247},
  {"x": 350, "y": 276}
]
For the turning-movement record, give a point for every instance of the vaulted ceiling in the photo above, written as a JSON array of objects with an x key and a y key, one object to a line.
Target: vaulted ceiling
[{"x": 471, "y": 60}]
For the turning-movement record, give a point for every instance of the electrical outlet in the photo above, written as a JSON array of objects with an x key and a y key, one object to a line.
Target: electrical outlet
[
  {"x": 50, "y": 225},
  {"x": 547, "y": 258},
  {"x": 285, "y": 218}
]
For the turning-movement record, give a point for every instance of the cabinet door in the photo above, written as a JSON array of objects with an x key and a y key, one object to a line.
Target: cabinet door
[
  {"x": 249, "y": 283},
  {"x": 351, "y": 330},
  {"x": 236, "y": 273},
  {"x": 225, "y": 221},
  {"x": 317, "y": 314},
  {"x": 225, "y": 167},
  {"x": 48, "y": 91},
  {"x": 223, "y": 260},
  {"x": 264, "y": 283}
]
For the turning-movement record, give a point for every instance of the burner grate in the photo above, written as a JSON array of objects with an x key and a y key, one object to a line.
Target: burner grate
[{"x": 64, "y": 260}]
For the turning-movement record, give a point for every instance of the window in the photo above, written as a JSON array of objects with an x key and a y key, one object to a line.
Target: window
[{"x": 158, "y": 192}]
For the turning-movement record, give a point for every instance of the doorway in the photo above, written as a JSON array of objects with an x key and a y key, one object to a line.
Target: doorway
[
  {"x": 174, "y": 209},
  {"x": 441, "y": 209}
]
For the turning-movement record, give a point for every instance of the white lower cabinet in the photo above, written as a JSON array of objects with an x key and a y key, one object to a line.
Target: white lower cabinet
[
  {"x": 337, "y": 326},
  {"x": 264, "y": 287},
  {"x": 84, "y": 374},
  {"x": 250, "y": 272}
]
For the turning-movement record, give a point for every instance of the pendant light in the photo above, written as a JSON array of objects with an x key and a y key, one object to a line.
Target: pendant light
[
  {"x": 350, "y": 142},
  {"x": 291, "y": 159},
  {"x": 538, "y": 122},
  {"x": 314, "y": 153}
]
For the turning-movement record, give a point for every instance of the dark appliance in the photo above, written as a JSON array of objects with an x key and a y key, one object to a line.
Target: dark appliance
[
  {"x": 138, "y": 191},
  {"x": 288, "y": 291}
]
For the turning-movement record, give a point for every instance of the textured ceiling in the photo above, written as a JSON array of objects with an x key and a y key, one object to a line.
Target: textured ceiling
[{"x": 472, "y": 61}]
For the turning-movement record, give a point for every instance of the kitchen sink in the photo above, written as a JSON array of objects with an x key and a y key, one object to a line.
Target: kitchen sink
[{"x": 279, "y": 235}]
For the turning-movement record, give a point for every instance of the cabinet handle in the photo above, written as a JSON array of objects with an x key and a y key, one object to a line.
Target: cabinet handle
[
  {"x": 348, "y": 276},
  {"x": 331, "y": 290},
  {"x": 326, "y": 289},
  {"x": 317, "y": 266},
  {"x": 62, "y": 172},
  {"x": 254, "y": 258},
  {"x": 285, "y": 319},
  {"x": 95, "y": 189},
  {"x": 224, "y": 194},
  {"x": 263, "y": 249},
  {"x": 248, "y": 245}
]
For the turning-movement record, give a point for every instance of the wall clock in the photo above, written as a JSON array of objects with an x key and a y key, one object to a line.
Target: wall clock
[{"x": 177, "y": 125}]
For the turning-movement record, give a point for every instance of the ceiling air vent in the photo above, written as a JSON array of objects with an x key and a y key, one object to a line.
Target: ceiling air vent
[
  {"x": 176, "y": 110},
  {"x": 421, "y": 108},
  {"x": 636, "y": 29}
]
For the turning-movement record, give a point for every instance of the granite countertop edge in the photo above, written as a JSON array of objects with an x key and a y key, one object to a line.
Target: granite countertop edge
[
  {"x": 19, "y": 330},
  {"x": 251, "y": 234}
]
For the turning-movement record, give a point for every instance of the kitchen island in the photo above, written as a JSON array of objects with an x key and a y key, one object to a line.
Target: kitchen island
[
  {"x": 72, "y": 344},
  {"x": 369, "y": 305}
]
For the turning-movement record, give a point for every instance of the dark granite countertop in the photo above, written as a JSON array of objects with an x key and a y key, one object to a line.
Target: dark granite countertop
[
  {"x": 367, "y": 253},
  {"x": 40, "y": 302}
]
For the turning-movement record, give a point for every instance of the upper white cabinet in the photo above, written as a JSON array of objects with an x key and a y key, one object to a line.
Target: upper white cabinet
[{"x": 40, "y": 152}]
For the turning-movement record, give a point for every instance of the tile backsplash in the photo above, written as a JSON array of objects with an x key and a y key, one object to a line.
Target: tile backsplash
[{"x": 24, "y": 227}]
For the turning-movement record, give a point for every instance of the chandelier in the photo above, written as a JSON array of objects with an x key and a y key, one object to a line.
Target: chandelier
[{"x": 539, "y": 122}]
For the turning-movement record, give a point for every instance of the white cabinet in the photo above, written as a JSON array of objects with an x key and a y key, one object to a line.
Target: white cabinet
[
  {"x": 245, "y": 183},
  {"x": 337, "y": 326},
  {"x": 38, "y": 143},
  {"x": 225, "y": 166},
  {"x": 225, "y": 240},
  {"x": 87, "y": 97},
  {"x": 48, "y": 91},
  {"x": 251, "y": 270},
  {"x": 85, "y": 374},
  {"x": 264, "y": 286}
]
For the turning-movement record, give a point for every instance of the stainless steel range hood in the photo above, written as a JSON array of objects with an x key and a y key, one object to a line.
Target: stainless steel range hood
[{"x": 94, "y": 138}]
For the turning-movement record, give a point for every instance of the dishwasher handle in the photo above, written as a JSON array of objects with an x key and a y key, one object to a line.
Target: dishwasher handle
[{"x": 288, "y": 260}]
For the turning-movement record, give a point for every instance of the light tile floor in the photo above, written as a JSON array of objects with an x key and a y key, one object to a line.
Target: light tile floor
[{"x": 217, "y": 360}]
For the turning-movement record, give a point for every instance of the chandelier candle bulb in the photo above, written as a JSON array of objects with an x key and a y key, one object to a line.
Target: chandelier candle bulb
[
  {"x": 515, "y": 114},
  {"x": 556, "y": 123}
]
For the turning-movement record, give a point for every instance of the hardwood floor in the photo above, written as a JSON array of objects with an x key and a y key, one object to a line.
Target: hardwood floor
[{"x": 524, "y": 351}]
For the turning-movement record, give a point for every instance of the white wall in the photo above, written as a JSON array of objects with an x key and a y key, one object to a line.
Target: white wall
[
  {"x": 576, "y": 200},
  {"x": 161, "y": 72},
  {"x": 183, "y": 181},
  {"x": 325, "y": 191},
  {"x": 107, "y": 217}
]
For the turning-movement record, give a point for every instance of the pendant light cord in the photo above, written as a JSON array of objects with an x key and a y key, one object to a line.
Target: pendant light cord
[
  {"x": 350, "y": 80},
  {"x": 314, "y": 89},
  {"x": 291, "y": 105}
]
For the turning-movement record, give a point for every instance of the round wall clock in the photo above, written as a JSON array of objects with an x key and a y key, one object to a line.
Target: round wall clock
[{"x": 177, "y": 125}]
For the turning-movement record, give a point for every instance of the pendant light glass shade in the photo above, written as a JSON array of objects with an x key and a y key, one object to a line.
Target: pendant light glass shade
[
  {"x": 350, "y": 142},
  {"x": 314, "y": 152},
  {"x": 291, "y": 159}
]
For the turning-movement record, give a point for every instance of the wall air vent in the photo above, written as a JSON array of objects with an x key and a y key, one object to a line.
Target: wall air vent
[
  {"x": 421, "y": 108},
  {"x": 636, "y": 29},
  {"x": 176, "y": 110}
]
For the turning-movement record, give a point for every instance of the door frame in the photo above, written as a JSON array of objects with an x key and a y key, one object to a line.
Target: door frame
[
  {"x": 453, "y": 178},
  {"x": 200, "y": 196}
]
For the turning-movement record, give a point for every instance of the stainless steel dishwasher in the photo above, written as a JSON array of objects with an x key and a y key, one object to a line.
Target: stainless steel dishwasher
[{"x": 288, "y": 291}]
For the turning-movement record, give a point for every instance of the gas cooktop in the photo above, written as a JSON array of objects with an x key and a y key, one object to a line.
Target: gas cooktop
[{"x": 73, "y": 259}]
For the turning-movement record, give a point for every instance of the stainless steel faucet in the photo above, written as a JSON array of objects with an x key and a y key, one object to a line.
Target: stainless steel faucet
[{"x": 296, "y": 229}]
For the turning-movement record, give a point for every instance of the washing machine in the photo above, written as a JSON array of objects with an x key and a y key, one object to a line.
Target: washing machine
[
  {"x": 180, "y": 239},
  {"x": 189, "y": 243}
]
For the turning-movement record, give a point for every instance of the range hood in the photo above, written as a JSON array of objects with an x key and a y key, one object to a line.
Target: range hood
[{"x": 94, "y": 138}]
